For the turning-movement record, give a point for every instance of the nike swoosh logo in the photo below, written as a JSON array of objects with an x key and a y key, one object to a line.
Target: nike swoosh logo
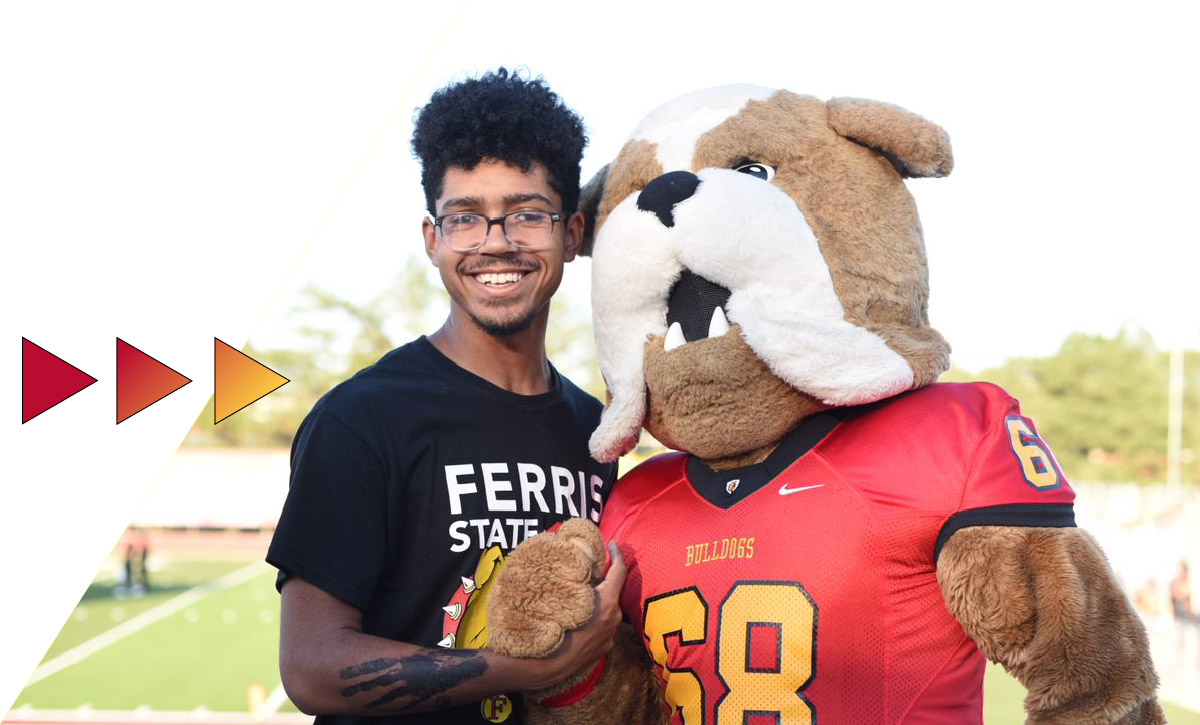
[{"x": 784, "y": 490}]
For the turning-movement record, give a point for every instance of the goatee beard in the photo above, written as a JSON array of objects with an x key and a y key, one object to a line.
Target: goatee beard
[{"x": 505, "y": 328}]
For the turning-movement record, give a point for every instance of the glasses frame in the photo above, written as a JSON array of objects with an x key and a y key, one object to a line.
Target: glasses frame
[{"x": 502, "y": 220}]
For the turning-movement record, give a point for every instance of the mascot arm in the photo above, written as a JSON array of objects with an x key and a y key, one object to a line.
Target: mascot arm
[
  {"x": 1044, "y": 603},
  {"x": 555, "y": 583}
]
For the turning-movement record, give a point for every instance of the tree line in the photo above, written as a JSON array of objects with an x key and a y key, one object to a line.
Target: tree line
[{"x": 1100, "y": 402}]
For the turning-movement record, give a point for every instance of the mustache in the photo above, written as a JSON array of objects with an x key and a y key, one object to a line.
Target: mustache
[{"x": 527, "y": 265}]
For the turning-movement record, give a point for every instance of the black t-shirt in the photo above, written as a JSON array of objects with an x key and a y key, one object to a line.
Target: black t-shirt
[{"x": 410, "y": 483}]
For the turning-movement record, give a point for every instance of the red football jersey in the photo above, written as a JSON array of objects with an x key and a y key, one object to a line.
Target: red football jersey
[{"x": 804, "y": 588}]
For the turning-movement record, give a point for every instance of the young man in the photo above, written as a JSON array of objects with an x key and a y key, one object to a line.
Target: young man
[{"x": 413, "y": 479}]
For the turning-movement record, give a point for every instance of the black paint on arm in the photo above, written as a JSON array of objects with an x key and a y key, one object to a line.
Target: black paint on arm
[{"x": 421, "y": 676}]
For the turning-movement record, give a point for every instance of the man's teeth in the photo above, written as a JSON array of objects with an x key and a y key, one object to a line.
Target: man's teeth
[
  {"x": 717, "y": 327},
  {"x": 505, "y": 278}
]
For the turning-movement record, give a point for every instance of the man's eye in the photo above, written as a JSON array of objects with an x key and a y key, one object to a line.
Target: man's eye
[
  {"x": 761, "y": 171},
  {"x": 530, "y": 218},
  {"x": 461, "y": 221}
]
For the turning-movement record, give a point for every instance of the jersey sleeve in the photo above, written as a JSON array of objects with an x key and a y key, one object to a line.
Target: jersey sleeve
[
  {"x": 1013, "y": 479},
  {"x": 332, "y": 532},
  {"x": 621, "y": 523},
  {"x": 635, "y": 488}
]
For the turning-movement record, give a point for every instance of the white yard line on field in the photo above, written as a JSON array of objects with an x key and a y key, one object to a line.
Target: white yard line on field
[{"x": 146, "y": 618}]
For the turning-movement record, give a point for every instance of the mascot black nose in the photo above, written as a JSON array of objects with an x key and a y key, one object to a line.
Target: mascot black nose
[{"x": 661, "y": 195}]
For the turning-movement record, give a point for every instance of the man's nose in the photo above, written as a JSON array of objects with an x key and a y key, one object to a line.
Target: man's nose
[
  {"x": 661, "y": 195},
  {"x": 494, "y": 240}
]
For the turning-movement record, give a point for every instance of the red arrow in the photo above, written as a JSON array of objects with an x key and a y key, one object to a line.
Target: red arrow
[
  {"x": 142, "y": 381},
  {"x": 46, "y": 380}
]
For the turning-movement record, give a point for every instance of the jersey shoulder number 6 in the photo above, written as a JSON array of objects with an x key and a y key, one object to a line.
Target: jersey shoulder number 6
[{"x": 1037, "y": 463}]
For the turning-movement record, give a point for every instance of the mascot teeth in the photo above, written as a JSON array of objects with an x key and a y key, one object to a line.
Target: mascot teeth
[
  {"x": 719, "y": 325},
  {"x": 674, "y": 337},
  {"x": 695, "y": 310}
]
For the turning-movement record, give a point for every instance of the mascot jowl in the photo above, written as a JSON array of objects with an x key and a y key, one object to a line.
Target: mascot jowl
[{"x": 840, "y": 538}]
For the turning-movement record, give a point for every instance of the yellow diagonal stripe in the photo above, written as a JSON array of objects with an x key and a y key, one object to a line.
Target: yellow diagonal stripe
[{"x": 349, "y": 181}]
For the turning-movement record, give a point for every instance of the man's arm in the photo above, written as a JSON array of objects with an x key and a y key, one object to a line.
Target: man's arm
[{"x": 330, "y": 667}]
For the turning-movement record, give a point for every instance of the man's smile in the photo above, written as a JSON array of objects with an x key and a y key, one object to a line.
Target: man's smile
[
  {"x": 499, "y": 278},
  {"x": 496, "y": 278}
]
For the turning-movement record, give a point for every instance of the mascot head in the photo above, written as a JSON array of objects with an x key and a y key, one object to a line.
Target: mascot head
[{"x": 757, "y": 258}]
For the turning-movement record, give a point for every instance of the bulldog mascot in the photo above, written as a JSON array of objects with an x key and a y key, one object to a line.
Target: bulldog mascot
[{"x": 842, "y": 539}]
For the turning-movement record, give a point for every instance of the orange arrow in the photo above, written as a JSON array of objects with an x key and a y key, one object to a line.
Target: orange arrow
[
  {"x": 142, "y": 381},
  {"x": 240, "y": 380}
]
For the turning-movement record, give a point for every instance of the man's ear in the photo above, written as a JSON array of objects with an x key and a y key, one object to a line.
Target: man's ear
[
  {"x": 430, "y": 233},
  {"x": 574, "y": 236},
  {"x": 589, "y": 204}
]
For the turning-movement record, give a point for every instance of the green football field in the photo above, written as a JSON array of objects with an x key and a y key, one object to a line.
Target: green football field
[{"x": 205, "y": 639}]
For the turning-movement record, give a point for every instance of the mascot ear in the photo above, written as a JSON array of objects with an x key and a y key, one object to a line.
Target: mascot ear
[
  {"x": 915, "y": 146},
  {"x": 589, "y": 204}
]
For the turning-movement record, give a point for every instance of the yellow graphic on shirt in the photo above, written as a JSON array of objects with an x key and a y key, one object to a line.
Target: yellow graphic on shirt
[
  {"x": 464, "y": 623},
  {"x": 497, "y": 708}
]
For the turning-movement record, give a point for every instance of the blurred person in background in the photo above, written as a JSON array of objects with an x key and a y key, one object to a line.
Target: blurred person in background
[
  {"x": 1149, "y": 600},
  {"x": 1181, "y": 594}
]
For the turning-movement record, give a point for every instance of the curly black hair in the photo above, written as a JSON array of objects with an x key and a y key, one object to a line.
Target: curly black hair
[{"x": 502, "y": 116}]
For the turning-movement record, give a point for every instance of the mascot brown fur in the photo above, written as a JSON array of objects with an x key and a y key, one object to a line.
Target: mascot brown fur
[{"x": 843, "y": 538}]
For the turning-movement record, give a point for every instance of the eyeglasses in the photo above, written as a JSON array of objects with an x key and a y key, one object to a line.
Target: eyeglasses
[{"x": 524, "y": 229}]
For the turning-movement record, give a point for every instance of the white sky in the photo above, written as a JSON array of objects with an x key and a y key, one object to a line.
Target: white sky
[
  {"x": 164, "y": 165},
  {"x": 1069, "y": 208}
]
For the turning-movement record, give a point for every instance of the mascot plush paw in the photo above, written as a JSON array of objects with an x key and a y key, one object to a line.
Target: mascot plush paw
[
  {"x": 843, "y": 539},
  {"x": 547, "y": 589}
]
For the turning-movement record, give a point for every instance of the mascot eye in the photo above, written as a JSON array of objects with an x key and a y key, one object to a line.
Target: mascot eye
[{"x": 762, "y": 171}]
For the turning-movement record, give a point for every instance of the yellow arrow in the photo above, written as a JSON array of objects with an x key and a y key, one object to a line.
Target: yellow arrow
[{"x": 240, "y": 380}]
